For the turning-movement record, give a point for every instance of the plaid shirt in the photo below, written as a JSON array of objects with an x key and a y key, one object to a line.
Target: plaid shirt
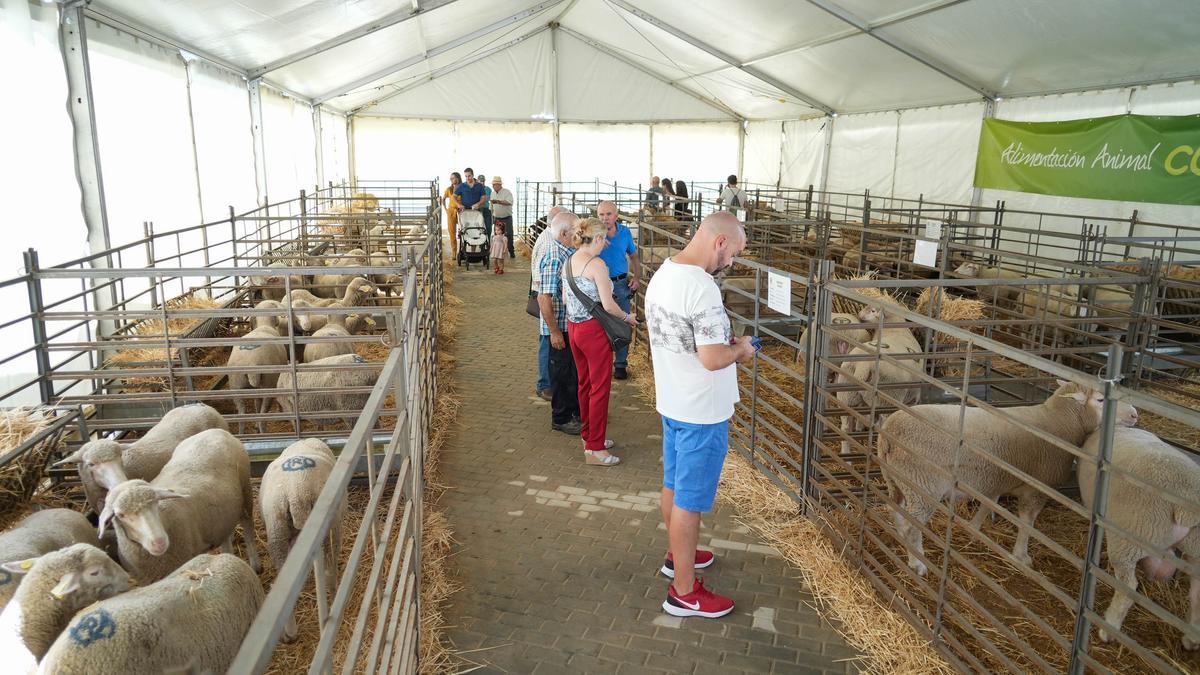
[{"x": 551, "y": 283}]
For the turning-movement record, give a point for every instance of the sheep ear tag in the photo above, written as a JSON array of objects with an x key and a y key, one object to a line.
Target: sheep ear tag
[
  {"x": 66, "y": 586},
  {"x": 19, "y": 566}
]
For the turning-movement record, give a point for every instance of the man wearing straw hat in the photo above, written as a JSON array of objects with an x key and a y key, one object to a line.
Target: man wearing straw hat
[{"x": 695, "y": 386}]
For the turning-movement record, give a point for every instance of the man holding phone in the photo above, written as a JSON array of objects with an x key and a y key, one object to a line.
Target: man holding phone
[{"x": 695, "y": 383}]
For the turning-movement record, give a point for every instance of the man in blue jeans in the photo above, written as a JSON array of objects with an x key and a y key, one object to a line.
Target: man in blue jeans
[
  {"x": 695, "y": 386},
  {"x": 624, "y": 267}
]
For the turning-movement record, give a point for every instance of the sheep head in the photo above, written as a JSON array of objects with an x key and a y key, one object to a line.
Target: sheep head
[
  {"x": 84, "y": 574},
  {"x": 968, "y": 269},
  {"x": 1092, "y": 401},
  {"x": 101, "y": 459},
  {"x": 133, "y": 506}
]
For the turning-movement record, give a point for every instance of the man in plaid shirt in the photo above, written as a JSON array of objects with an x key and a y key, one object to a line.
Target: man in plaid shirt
[{"x": 564, "y": 404}]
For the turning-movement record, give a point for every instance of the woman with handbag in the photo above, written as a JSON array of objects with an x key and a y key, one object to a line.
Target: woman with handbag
[{"x": 594, "y": 321}]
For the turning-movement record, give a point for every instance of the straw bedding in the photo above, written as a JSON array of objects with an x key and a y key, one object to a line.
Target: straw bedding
[{"x": 21, "y": 477}]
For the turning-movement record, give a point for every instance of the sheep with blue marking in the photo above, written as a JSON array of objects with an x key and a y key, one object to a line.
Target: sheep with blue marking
[
  {"x": 310, "y": 381},
  {"x": 289, "y": 489},
  {"x": 196, "y": 617},
  {"x": 38, "y": 533}
]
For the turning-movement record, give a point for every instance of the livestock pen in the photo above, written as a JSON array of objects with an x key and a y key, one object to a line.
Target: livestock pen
[
  {"x": 811, "y": 412},
  {"x": 121, "y": 336}
]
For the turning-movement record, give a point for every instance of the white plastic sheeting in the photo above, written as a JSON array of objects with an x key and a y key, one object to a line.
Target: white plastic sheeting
[
  {"x": 936, "y": 152},
  {"x": 224, "y": 146},
  {"x": 608, "y": 152},
  {"x": 863, "y": 153},
  {"x": 141, "y": 104},
  {"x": 763, "y": 148},
  {"x": 511, "y": 150},
  {"x": 290, "y": 146},
  {"x": 695, "y": 152},
  {"x": 334, "y": 149},
  {"x": 803, "y": 152}
]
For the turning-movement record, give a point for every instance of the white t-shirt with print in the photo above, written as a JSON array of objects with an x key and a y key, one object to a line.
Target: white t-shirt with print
[{"x": 683, "y": 311}]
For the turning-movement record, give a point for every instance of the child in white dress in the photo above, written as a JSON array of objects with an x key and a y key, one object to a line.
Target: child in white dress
[{"x": 499, "y": 249}]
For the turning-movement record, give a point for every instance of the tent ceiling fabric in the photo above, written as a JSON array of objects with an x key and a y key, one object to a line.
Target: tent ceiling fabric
[{"x": 1010, "y": 47}]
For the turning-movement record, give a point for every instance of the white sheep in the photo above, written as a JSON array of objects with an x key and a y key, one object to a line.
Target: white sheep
[
  {"x": 875, "y": 373},
  {"x": 308, "y": 381},
  {"x": 55, "y": 586},
  {"x": 840, "y": 333},
  {"x": 1143, "y": 512},
  {"x": 104, "y": 463},
  {"x": 975, "y": 270},
  {"x": 289, "y": 489},
  {"x": 271, "y": 286},
  {"x": 194, "y": 504},
  {"x": 40, "y": 532},
  {"x": 358, "y": 291},
  {"x": 335, "y": 327},
  {"x": 247, "y": 355},
  {"x": 194, "y": 618},
  {"x": 917, "y": 450},
  {"x": 389, "y": 281}
]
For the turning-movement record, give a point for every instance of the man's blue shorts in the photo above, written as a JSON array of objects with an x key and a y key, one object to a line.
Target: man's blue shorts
[{"x": 693, "y": 455}]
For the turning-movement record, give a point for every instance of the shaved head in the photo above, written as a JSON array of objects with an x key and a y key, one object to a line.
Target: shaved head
[{"x": 719, "y": 238}]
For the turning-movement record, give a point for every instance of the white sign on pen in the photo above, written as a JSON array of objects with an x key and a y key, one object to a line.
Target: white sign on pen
[
  {"x": 925, "y": 253},
  {"x": 779, "y": 292},
  {"x": 933, "y": 230},
  {"x": 740, "y": 214}
]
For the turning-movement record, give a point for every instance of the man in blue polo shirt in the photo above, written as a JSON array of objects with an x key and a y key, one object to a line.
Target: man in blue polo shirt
[
  {"x": 469, "y": 194},
  {"x": 624, "y": 267}
]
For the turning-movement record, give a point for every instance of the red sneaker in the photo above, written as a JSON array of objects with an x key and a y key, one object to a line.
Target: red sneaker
[
  {"x": 700, "y": 602},
  {"x": 703, "y": 559}
]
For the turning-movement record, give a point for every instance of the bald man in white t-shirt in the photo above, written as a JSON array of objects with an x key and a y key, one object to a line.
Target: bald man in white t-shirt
[{"x": 695, "y": 384}]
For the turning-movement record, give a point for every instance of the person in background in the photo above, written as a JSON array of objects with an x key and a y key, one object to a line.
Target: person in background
[
  {"x": 683, "y": 208},
  {"x": 695, "y": 386},
  {"x": 624, "y": 269},
  {"x": 542, "y": 388},
  {"x": 469, "y": 195},
  {"x": 654, "y": 194},
  {"x": 732, "y": 197},
  {"x": 589, "y": 343},
  {"x": 564, "y": 381},
  {"x": 451, "y": 207},
  {"x": 502, "y": 205},
  {"x": 499, "y": 244},
  {"x": 487, "y": 203},
  {"x": 668, "y": 190}
]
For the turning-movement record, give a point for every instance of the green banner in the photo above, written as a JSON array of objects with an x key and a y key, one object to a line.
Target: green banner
[{"x": 1136, "y": 158}]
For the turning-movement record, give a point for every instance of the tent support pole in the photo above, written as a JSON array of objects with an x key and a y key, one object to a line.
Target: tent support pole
[
  {"x": 256, "y": 132},
  {"x": 72, "y": 44},
  {"x": 829, "y": 120},
  {"x": 741, "y": 166},
  {"x": 319, "y": 146},
  {"x": 554, "y": 101},
  {"x": 350, "y": 157}
]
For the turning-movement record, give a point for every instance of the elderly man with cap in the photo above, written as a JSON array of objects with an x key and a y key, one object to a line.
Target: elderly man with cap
[
  {"x": 502, "y": 205},
  {"x": 624, "y": 269}
]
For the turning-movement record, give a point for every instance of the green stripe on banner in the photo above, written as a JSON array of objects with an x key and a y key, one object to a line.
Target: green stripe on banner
[{"x": 1136, "y": 158}]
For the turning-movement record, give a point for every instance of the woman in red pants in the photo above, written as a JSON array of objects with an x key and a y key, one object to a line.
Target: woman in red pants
[{"x": 589, "y": 345}]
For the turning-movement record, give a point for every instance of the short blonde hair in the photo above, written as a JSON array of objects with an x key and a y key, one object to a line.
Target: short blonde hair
[{"x": 586, "y": 230}]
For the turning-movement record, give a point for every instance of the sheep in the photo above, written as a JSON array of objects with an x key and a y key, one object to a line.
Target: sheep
[
  {"x": 1146, "y": 515},
  {"x": 356, "y": 294},
  {"x": 389, "y": 280},
  {"x": 975, "y": 270},
  {"x": 194, "y": 504},
  {"x": 271, "y": 287},
  {"x": 40, "y": 532},
  {"x": 873, "y": 373},
  {"x": 290, "y": 486},
  {"x": 841, "y": 335},
  {"x": 195, "y": 618},
  {"x": 909, "y": 453},
  {"x": 355, "y": 257},
  {"x": 55, "y": 586},
  {"x": 313, "y": 401},
  {"x": 335, "y": 327},
  {"x": 249, "y": 355},
  {"x": 104, "y": 463}
]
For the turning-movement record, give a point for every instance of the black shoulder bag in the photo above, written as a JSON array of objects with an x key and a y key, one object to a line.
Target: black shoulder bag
[
  {"x": 618, "y": 332},
  {"x": 532, "y": 308}
]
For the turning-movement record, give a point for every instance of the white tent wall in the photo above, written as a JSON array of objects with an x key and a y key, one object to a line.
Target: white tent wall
[
  {"x": 762, "y": 152},
  {"x": 386, "y": 147},
  {"x": 42, "y": 199},
  {"x": 803, "y": 152},
  {"x": 224, "y": 145},
  {"x": 935, "y": 156},
  {"x": 696, "y": 151},
  {"x": 863, "y": 153},
  {"x": 509, "y": 149},
  {"x": 606, "y": 152},
  {"x": 290, "y": 143},
  {"x": 334, "y": 149}
]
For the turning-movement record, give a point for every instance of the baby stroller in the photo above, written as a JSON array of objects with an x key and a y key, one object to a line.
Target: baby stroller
[{"x": 473, "y": 239}]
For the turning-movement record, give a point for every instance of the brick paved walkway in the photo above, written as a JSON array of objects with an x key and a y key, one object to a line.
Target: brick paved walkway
[{"x": 559, "y": 561}]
